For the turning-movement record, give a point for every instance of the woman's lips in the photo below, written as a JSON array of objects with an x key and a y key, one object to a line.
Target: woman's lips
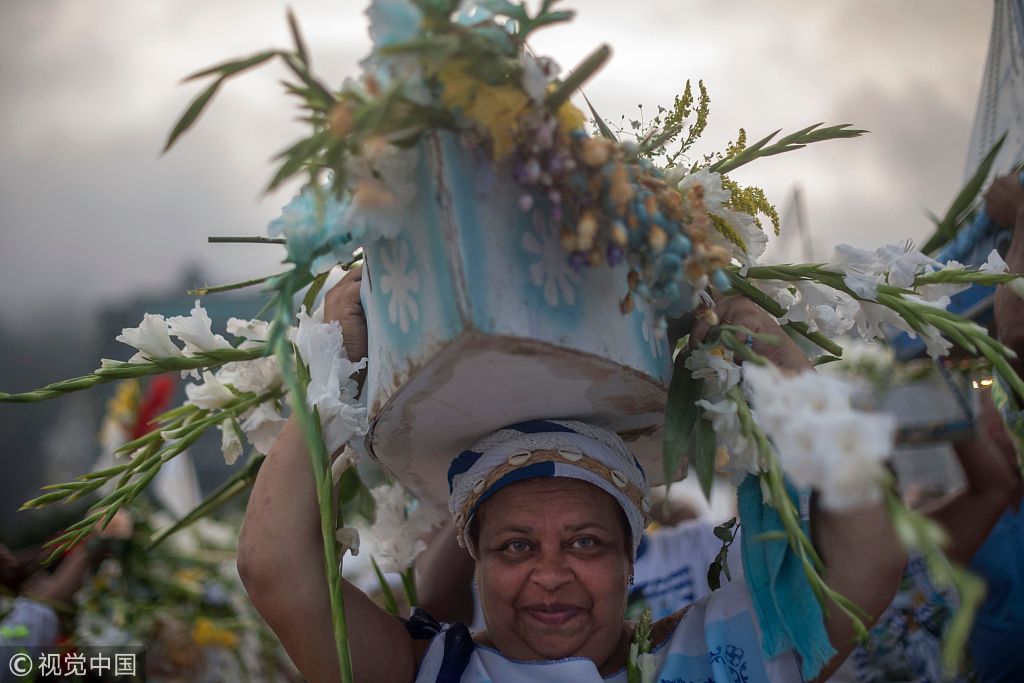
[{"x": 553, "y": 615}]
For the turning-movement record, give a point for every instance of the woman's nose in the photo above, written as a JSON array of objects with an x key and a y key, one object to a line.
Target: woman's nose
[{"x": 552, "y": 570}]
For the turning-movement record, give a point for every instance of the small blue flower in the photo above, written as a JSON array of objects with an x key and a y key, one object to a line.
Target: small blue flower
[
  {"x": 393, "y": 22},
  {"x": 312, "y": 222}
]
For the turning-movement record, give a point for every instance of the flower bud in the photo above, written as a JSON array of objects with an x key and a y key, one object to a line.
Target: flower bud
[{"x": 340, "y": 119}]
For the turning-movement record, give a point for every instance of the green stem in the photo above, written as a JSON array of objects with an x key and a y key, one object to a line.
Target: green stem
[
  {"x": 767, "y": 303},
  {"x": 230, "y": 239},
  {"x": 205, "y": 360},
  {"x": 323, "y": 484},
  {"x": 203, "y": 291},
  {"x": 390, "y": 603},
  {"x": 233, "y": 486}
]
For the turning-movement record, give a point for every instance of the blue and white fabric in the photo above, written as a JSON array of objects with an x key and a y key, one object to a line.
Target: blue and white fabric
[
  {"x": 575, "y": 442},
  {"x": 717, "y": 640},
  {"x": 671, "y": 567}
]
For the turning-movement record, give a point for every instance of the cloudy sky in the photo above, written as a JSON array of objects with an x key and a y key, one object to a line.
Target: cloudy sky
[{"x": 92, "y": 214}]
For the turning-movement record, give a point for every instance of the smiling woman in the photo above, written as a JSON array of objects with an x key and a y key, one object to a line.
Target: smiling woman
[
  {"x": 552, "y": 512},
  {"x": 552, "y": 570}
]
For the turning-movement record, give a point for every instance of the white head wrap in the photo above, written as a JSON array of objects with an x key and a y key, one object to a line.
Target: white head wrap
[{"x": 548, "y": 448}]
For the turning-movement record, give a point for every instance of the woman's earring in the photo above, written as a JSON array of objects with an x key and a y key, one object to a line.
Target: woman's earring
[{"x": 630, "y": 579}]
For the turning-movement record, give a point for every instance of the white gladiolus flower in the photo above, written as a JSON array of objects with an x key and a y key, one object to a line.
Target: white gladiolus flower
[
  {"x": 252, "y": 331},
  {"x": 211, "y": 394},
  {"x": 152, "y": 338},
  {"x": 345, "y": 460},
  {"x": 937, "y": 292},
  {"x": 230, "y": 444},
  {"x": 714, "y": 365},
  {"x": 648, "y": 665},
  {"x": 779, "y": 290},
  {"x": 262, "y": 425},
  {"x": 871, "y": 318},
  {"x": 348, "y": 539},
  {"x": 903, "y": 264},
  {"x": 195, "y": 330},
  {"x": 823, "y": 309},
  {"x": 345, "y": 421},
  {"x": 258, "y": 375},
  {"x": 331, "y": 389},
  {"x": 995, "y": 264},
  {"x": 1017, "y": 286},
  {"x": 858, "y": 269},
  {"x": 895, "y": 264},
  {"x": 715, "y": 196},
  {"x": 755, "y": 240},
  {"x": 856, "y": 478},
  {"x": 742, "y": 452},
  {"x": 936, "y": 345},
  {"x": 396, "y": 532},
  {"x": 822, "y": 443}
]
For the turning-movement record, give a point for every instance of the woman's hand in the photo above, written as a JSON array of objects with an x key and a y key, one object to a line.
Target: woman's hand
[
  {"x": 342, "y": 303},
  {"x": 742, "y": 312}
]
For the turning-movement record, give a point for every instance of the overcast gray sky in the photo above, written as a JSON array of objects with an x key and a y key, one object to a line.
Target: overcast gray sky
[{"x": 91, "y": 213}]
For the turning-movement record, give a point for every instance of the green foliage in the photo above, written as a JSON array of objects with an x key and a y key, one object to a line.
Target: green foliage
[
  {"x": 788, "y": 143},
  {"x": 726, "y": 533},
  {"x": 680, "y": 418},
  {"x": 963, "y": 205}
]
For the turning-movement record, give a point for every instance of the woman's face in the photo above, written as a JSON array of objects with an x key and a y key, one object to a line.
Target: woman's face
[{"x": 552, "y": 570}]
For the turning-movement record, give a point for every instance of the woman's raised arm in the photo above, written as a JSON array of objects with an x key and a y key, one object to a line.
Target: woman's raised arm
[{"x": 281, "y": 557}]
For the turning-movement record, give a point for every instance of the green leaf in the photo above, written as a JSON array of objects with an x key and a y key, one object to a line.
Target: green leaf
[
  {"x": 680, "y": 416},
  {"x": 314, "y": 290},
  {"x": 234, "y": 66},
  {"x": 793, "y": 141},
  {"x": 715, "y": 576},
  {"x": 367, "y": 507},
  {"x": 390, "y": 603},
  {"x": 295, "y": 159},
  {"x": 192, "y": 113},
  {"x": 300, "y": 44},
  {"x": 409, "y": 585},
  {"x": 723, "y": 533},
  {"x": 587, "y": 68},
  {"x": 349, "y": 485},
  {"x": 602, "y": 127},
  {"x": 705, "y": 444},
  {"x": 959, "y": 210}
]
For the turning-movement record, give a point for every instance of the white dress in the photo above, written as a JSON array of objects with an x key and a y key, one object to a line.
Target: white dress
[{"x": 716, "y": 641}]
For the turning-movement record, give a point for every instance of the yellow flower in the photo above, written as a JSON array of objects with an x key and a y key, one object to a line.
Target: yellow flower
[
  {"x": 569, "y": 117},
  {"x": 497, "y": 109},
  {"x": 205, "y": 633},
  {"x": 122, "y": 406},
  {"x": 457, "y": 86}
]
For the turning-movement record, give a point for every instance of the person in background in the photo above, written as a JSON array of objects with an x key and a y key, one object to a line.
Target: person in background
[
  {"x": 999, "y": 629},
  {"x": 905, "y": 644},
  {"x": 33, "y": 620},
  {"x": 983, "y": 521}
]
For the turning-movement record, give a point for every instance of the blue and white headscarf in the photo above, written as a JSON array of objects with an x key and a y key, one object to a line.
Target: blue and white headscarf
[{"x": 548, "y": 448}]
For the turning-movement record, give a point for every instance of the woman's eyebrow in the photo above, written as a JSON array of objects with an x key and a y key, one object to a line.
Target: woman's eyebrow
[
  {"x": 586, "y": 525},
  {"x": 514, "y": 528}
]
